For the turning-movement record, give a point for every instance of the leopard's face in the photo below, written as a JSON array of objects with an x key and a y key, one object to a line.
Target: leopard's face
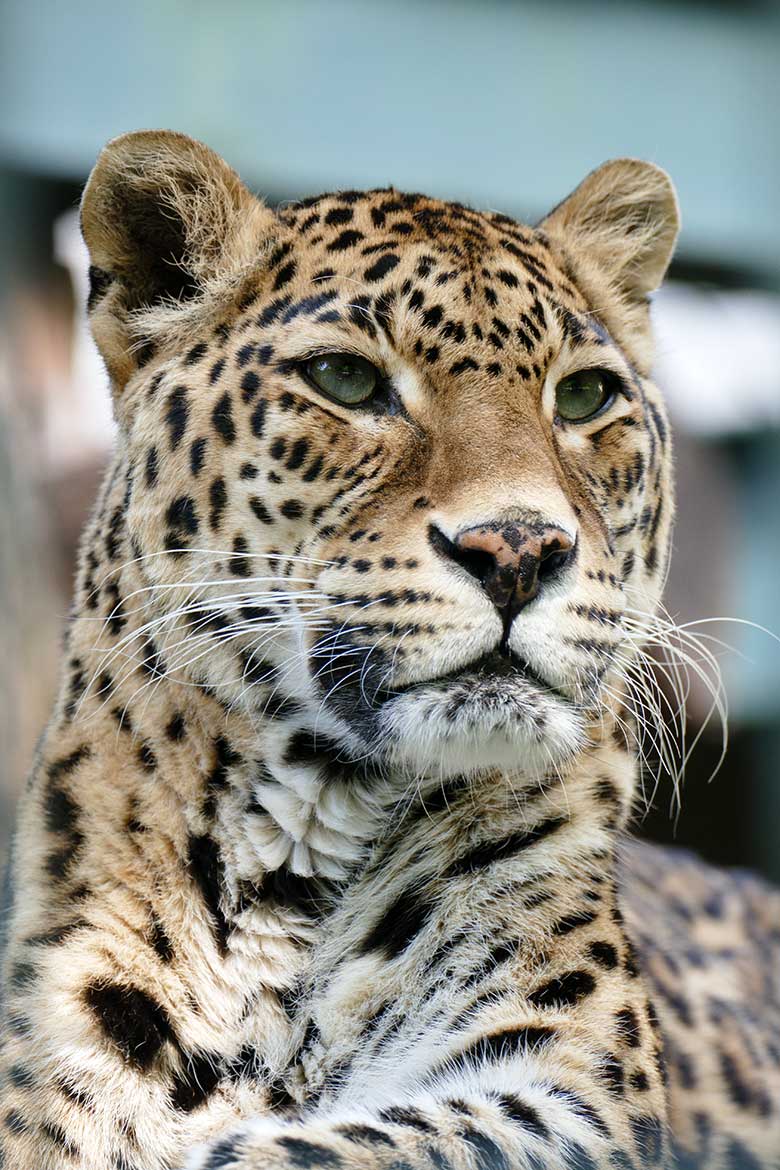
[{"x": 440, "y": 571}]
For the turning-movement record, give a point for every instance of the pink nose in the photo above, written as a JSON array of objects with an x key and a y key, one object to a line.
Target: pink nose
[{"x": 511, "y": 560}]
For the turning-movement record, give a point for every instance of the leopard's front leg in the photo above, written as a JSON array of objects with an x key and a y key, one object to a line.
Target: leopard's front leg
[
  {"x": 527, "y": 1097},
  {"x": 450, "y": 1128}
]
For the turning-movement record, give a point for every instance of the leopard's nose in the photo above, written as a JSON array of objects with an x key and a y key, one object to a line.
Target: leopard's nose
[{"x": 511, "y": 560}]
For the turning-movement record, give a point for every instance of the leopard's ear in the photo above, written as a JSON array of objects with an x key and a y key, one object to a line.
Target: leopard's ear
[
  {"x": 625, "y": 218},
  {"x": 163, "y": 218}
]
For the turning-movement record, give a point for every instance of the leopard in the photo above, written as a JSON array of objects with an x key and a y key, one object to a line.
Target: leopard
[{"x": 326, "y": 858}]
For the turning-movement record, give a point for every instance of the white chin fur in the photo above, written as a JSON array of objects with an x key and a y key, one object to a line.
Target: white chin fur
[{"x": 477, "y": 724}]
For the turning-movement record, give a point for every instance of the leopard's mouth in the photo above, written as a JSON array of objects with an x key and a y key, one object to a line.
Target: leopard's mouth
[{"x": 490, "y": 668}]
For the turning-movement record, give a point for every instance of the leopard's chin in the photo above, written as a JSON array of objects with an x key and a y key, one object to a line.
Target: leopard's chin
[
  {"x": 494, "y": 713},
  {"x": 484, "y": 718}
]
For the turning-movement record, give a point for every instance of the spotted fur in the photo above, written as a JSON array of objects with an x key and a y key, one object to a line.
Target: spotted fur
[{"x": 323, "y": 860}]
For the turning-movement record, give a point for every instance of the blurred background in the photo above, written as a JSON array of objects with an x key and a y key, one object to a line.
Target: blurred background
[{"x": 504, "y": 104}]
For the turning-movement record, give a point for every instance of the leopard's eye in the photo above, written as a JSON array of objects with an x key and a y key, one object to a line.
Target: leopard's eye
[
  {"x": 347, "y": 378},
  {"x": 584, "y": 394}
]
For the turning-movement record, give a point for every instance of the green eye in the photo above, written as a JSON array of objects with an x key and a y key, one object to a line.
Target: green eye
[
  {"x": 583, "y": 394},
  {"x": 344, "y": 376}
]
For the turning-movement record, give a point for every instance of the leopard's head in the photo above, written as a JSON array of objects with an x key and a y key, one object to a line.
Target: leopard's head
[{"x": 390, "y": 459}]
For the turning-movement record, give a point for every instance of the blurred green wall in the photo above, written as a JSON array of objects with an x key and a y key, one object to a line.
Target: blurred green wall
[{"x": 502, "y": 103}]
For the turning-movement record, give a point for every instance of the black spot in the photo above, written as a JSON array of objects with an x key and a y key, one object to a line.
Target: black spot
[
  {"x": 217, "y": 501},
  {"x": 197, "y": 455},
  {"x": 308, "y": 896},
  {"x": 247, "y": 1065},
  {"x": 509, "y": 1042},
  {"x": 347, "y": 239},
  {"x": 18, "y": 1024},
  {"x": 62, "y": 815},
  {"x": 115, "y": 528},
  {"x": 381, "y": 267},
  {"x": 260, "y": 510},
  {"x": 499, "y": 953},
  {"x": 271, "y": 313},
  {"x": 399, "y": 925},
  {"x": 14, "y": 1122},
  {"x": 523, "y": 1114},
  {"x": 58, "y": 1137},
  {"x": 298, "y": 453},
  {"x": 159, "y": 941},
  {"x": 132, "y": 1021},
  {"x": 628, "y": 1026},
  {"x": 217, "y": 778},
  {"x": 604, "y": 954},
  {"x": 648, "y": 1135},
  {"x": 176, "y": 415},
  {"x": 365, "y": 1135},
  {"x": 488, "y": 1154},
  {"x": 67, "y": 764},
  {"x": 222, "y": 417},
  {"x": 292, "y": 509},
  {"x": 491, "y": 851},
  {"x": 239, "y": 562},
  {"x": 613, "y": 1074},
  {"x": 313, "y": 470},
  {"x": 582, "y": 1108},
  {"x": 224, "y": 1153},
  {"x": 279, "y": 254},
  {"x": 308, "y": 1155},
  {"x": 151, "y": 467},
  {"x": 196, "y": 1080},
  {"x": 196, "y": 353},
  {"x": 22, "y": 975},
  {"x": 146, "y": 758},
  {"x": 250, "y": 384},
  {"x": 279, "y": 1097},
  {"x": 257, "y": 419},
  {"x": 309, "y": 749},
  {"x": 309, "y": 304},
  {"x": 463, "y": 365},
  {"x": 206, "y": 869},
  {"x": 742, "y": 1093},
  {"x": 176, "y": 727},
  {"x": 407, "y": 1116},
  {"x": 21, "y": 1077},
  {"x": 578, "y": 1158},
  {"x": 574, "y": 921},
  {"x": 182, "y": 516},
  {"x": 359, "y": 315},
  {"x": 564, "y": 990},
  {"x": 739, "y": 1157},
  {"x": 339, "y": 215},
  {"x": 215, "y": 372},
  {"x": 285, "y": 275}
]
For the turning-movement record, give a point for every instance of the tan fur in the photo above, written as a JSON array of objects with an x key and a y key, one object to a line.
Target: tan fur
[{"x": 307, "y": 871}]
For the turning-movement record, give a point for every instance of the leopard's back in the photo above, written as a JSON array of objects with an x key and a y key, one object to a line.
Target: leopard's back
[{"x": 708, "y": 941}]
